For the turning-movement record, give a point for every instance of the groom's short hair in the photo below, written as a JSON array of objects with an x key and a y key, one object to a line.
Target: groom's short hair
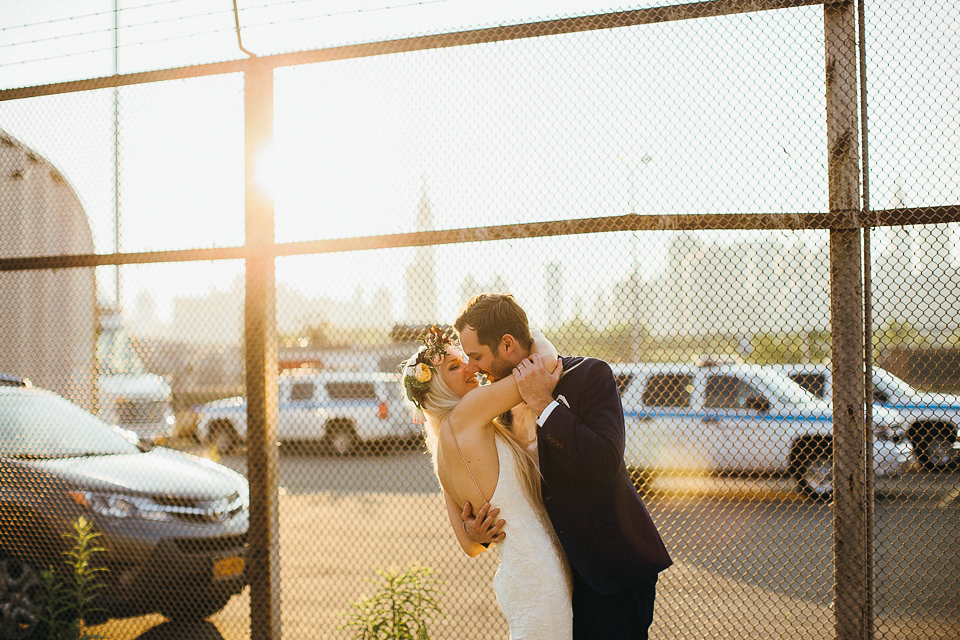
[{"x": 492, "y": 315}]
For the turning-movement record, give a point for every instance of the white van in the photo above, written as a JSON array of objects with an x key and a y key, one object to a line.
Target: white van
[
  {"x": 933, "y": 419},
  {"x": 739, "y": 418},
  {"x": 340, "y": 409}
]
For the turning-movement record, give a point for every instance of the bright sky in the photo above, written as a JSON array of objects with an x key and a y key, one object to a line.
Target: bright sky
[{"x": 716, "y": 115}]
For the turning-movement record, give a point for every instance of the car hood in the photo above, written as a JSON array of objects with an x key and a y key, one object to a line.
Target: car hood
[
  {"x": 147, "y": 385},
  {"x": 158, "y": 471},
  {"x": 224, "y": 403}
]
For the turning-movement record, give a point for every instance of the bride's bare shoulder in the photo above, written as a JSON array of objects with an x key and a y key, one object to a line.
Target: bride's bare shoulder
[{"x": 453, "y": 431}]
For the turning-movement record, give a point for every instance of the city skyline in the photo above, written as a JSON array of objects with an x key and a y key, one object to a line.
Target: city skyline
[{"x": 758, "y": 285}]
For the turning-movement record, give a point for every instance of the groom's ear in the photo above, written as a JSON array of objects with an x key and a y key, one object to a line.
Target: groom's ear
[{"x": 508, "y": 345}]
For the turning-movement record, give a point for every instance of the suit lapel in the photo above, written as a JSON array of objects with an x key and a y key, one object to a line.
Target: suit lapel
[
  {"x": 569, "y": 365},
  {"x": 575, "y": 362}
]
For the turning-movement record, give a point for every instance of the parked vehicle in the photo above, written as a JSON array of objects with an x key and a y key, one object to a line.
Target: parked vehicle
[
  {"x": 127, "y": 395},
  {"x": 9, "y": 380},
  {"x": 933, "y": 419},
  {"x": 340, "y": 409},
  {"x": 739, "y": 418},
  {"x": 173, "y": 526}
]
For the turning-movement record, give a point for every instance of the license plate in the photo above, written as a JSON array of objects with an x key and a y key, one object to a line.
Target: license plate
[{"x": 228, "y": 567}]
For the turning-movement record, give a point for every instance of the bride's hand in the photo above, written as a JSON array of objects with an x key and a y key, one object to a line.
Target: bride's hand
[{"x": 536, "y": 384}]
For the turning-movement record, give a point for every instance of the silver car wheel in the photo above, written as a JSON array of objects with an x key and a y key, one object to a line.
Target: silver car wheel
[
  {"x": 340, "y": 438},
  {"x": 816, "y": 477},
  {"x": 937, "y": 454}
]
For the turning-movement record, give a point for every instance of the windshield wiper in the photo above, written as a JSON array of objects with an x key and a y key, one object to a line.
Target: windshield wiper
[
  {"x": 57, "y": 456},
  {"x": 34, "y": 456},
  {"x": 92, "y": 454}
]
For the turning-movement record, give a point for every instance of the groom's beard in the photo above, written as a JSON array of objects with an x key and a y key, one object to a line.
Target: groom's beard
[{"x": 499, "y": 369}]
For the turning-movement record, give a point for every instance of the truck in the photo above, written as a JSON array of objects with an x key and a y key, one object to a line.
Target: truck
[{"x": 127, "y": 394}]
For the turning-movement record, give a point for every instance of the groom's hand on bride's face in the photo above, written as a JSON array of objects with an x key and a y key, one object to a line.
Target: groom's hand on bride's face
[{"x": 484, "y": 527}]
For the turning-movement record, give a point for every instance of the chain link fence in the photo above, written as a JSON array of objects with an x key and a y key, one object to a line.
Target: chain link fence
[{"x": 741, "y": 206}]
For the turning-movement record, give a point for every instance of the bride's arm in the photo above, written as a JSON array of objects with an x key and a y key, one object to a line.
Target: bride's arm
[
  {"x": 483, "y": 404},
  {"x": 545, "y": 349}
]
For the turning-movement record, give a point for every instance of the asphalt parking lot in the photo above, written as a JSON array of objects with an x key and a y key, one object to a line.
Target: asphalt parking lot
[{"x": 753, "y": 559}]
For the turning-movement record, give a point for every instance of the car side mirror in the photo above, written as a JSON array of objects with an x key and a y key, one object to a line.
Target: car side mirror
[
  {"x": 757, "y": 403},
  {"x": 880, "y": 396}
]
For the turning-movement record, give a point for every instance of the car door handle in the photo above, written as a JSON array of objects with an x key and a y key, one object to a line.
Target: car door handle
[{"x": 711, "y": 420}]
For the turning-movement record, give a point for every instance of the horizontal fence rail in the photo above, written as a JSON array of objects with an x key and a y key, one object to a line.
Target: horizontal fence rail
[
  {"x": 710, "y": 8},
  {"x": 629, "y": 222}
]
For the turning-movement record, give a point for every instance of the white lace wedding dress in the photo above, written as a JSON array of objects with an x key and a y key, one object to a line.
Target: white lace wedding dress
[{"x": 533, "y": 583}]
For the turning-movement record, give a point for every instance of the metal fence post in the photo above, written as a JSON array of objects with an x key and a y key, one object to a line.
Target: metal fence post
[
  {"x": 261, "y": 365},
  {"x": 852, "y": 553}
]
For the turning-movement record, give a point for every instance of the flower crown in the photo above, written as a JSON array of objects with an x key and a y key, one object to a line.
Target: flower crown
[{"x": 416, "y": 378}]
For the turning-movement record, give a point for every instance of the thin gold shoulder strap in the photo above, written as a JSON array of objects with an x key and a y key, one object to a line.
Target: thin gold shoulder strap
[{"x": 453, "y": 432}]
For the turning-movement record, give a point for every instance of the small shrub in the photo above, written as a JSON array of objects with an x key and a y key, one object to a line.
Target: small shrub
[
  {"x": 69, "y": 596},
  {"x": 399, "y": 610}
]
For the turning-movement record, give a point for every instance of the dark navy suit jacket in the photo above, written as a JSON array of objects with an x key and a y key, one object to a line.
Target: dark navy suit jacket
[{"x": 598, "y": 515}]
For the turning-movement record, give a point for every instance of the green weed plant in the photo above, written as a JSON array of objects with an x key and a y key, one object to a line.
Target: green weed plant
[
  {"x": 69, "y": 595},
  {"x": 400, "y": 608}
]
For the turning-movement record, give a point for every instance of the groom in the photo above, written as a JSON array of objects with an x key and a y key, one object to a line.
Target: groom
[{"x": 610, "y": 540}]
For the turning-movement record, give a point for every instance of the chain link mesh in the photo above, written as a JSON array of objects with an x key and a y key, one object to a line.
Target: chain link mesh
[{"x": 657, "y": 187}]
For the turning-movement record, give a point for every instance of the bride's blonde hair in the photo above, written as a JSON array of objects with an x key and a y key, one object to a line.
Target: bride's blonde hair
[{"x": 439, "y": 400}]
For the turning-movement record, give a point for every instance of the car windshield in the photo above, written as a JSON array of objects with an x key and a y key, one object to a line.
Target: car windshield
[
  {"x": 892, "y": 383},
  {"x": 43, "y": 425},
  {"x": 786, "y": 390}
]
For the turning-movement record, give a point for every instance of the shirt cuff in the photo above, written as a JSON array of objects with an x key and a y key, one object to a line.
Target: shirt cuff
[{"x": 546, "y": 413}]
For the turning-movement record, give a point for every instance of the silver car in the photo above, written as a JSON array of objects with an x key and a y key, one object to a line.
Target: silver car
[{"x": 174, "y": 526}]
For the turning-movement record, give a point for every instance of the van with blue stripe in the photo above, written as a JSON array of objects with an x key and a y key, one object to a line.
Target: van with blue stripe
[
  {"x": 933, "y": 419},
  {"x": 731, "y": 417}
]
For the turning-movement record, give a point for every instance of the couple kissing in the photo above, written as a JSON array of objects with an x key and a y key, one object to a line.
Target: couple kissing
[{"x": 540, "y": 449}]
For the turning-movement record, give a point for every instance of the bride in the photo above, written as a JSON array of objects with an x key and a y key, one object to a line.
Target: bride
[{"x": 480, "y": 459}]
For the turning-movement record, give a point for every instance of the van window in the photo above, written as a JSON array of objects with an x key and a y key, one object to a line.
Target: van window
[
  {"x": 727, "y": 392},
  {"x": 351, "y": 391},
  {"x": 815, "y": 383},
  {"x": 668, "y": 390},
  {"x": 301, "y": 391},
  {"x": 623, "y": 381}
]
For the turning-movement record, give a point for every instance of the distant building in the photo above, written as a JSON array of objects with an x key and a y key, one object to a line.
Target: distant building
[
  {"x": 420, "y": 280},
  {"x": 217, "y": 317},
  {"x": 553, "y": 294},
  {"x": 47, "y": 317},
  {"x": 916, "y": 282},
  {"x": 471, "y": 287},
  {"x": 468, "y": 288},
  {"x": 741, "y": 288},
  {"x": 916, "y": 279}
]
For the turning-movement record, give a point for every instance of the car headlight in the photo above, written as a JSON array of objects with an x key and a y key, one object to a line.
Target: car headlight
[{"x": 119, "y": 506}]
